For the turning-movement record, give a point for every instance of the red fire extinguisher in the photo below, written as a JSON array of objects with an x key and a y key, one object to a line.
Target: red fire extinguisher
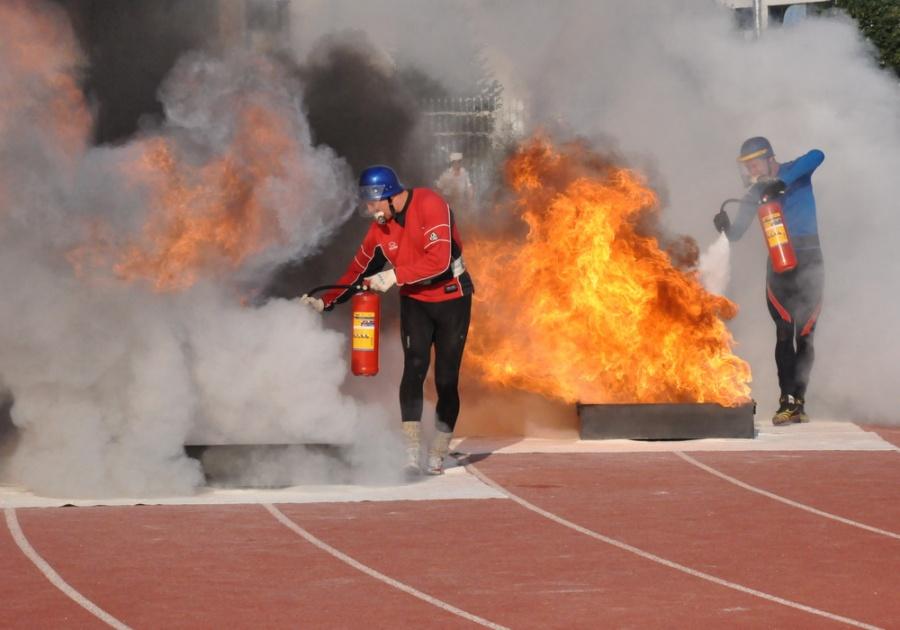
[
  {"x": 775, "y": 231},
  {"x": 366, "y": 317},
  {"x": 366, "y": 307}
]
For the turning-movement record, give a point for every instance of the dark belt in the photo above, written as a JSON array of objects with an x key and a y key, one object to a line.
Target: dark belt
[
  {"x": 456, "y": 269},
  {"x": 807, "y": 241}
]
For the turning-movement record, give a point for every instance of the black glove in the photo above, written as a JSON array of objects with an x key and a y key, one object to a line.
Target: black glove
[{"x": 721, "y": 221}]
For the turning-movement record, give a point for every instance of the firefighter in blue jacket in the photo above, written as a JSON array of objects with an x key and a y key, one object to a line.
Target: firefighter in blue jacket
[{"x": 794, "y": 297}]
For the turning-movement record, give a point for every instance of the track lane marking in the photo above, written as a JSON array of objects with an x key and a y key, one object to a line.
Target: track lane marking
[
  {"x": 359, "y": 566},
  {"x": 660, "y": 560},
  {"x": 786, "y": 501},
  {"x": 12, "y": 522}
]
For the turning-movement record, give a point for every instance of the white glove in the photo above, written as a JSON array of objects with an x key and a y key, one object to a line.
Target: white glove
[
  {"x": 313, "y": 302},
  {"x": 383, "y": 281}
]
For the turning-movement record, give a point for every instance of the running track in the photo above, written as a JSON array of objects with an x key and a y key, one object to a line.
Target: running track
[{"x": 784, "y": 539}]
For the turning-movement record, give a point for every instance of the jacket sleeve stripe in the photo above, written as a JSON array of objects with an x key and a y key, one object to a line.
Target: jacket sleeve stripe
[{"x": 438, "y": 240}]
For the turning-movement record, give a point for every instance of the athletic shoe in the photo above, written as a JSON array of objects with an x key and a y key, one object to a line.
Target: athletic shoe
[
  {"x": 786, "y": 409},
  {"x": 799, "y": 411},
  {"x": 440, "y": 445},
  {"x": 411, "y": 433}
]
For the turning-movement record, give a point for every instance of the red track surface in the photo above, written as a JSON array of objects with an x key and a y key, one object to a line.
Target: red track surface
[{"x": 237, "y": 566}]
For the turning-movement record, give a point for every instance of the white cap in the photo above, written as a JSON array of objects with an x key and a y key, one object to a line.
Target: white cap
[{"x": 455, "y": 157}]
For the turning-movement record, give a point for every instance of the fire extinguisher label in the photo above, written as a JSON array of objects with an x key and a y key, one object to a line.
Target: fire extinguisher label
[
  {"x": 364, "y": 330},
  {"x": 774, "y": 229}
]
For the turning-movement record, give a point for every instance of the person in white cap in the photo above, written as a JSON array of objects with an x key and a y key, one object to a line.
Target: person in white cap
[{"x": 455, "y": 186}]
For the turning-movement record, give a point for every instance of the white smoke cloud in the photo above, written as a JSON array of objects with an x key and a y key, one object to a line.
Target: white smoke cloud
[
  {"x": 679, "y": 88},
  {"x": 715, "y": 266},
  {"x": 110, "y": 379}
]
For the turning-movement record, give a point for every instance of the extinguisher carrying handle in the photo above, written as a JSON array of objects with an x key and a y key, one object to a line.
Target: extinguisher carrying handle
[
  {"x": 772, "y": 191},
  {"x": 766, "y": 190}
]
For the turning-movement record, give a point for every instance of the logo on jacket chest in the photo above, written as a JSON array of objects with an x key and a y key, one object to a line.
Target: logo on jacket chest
[
  {"x": 433, "y": 237},
  {"x": 392, "y": 246}
]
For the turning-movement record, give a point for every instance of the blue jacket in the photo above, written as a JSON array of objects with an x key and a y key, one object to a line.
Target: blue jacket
[{"x": 798, "y": 204}]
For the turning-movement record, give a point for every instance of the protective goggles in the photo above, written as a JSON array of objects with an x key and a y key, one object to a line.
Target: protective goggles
[{"x": 753, "y": 167}]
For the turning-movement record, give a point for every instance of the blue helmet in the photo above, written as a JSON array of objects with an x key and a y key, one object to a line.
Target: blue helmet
[
  {"x": 755, "y": 148},
  {"x": 378, "y": 182}
]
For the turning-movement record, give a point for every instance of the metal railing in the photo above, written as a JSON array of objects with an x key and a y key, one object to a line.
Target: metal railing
[{"x": 476, "y": 126}]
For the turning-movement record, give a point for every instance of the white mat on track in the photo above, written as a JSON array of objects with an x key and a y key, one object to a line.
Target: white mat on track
[
  {"x": 820, "y": 435},
  {"x": 455, "y": 483}
]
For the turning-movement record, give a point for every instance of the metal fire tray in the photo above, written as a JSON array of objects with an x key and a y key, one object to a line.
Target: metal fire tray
[
  {"x": 665, "y": 421},
  {"x": 270, "y": 465}
]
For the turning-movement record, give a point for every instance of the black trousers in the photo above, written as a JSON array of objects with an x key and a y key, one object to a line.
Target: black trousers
[
  {"x": 444, "y": 325},
  {"x": 794, "y": 299}
]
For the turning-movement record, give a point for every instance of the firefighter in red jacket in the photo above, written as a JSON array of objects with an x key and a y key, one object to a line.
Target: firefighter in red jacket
[{"x": 413, "y": 230}]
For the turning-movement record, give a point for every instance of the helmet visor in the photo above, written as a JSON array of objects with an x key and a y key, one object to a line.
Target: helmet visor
[
  {"x": 751, "y": 170},
  {"x": 374, "y": 192}
]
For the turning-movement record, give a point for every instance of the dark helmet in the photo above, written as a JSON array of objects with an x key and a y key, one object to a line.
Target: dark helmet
[
  {"x": 378, "y": 182},
  {"x": 755, "y": 148}
]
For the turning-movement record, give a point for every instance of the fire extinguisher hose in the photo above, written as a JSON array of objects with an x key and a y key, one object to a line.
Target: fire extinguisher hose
[
  {"x": 728, "y": 201},
  {"x": 327, "y": 287}
]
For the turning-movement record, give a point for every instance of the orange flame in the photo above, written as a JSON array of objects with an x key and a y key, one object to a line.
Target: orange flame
[
  {"x": 584, "y": 307},
  {"x": 208, "y": 219},
  {"x": 41, "y": 60}
]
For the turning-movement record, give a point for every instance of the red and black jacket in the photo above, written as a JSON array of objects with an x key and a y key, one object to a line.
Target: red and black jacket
[{"x": 423, "y": 245}]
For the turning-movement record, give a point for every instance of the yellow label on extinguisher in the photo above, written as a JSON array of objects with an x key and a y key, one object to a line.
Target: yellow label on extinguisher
[
  {"x": 773, "y": 228},
  {"x": 364, "y": 330}
]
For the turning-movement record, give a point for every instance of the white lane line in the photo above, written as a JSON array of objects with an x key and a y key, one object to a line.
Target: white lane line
[
  {"x": 359, "y": 566},
  {"x": 668, "y": 563},
  {"x": 765, "y": 493},
  {"x": 19, "y": 536}
]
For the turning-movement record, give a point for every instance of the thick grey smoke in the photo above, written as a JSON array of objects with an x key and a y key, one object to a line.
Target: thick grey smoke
[
  {"x": 678, "y": 88},
  {"x": 437, "y": 37},
  {"x": 110, "y": 377},
  {"x": 358, "y": 104}
]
